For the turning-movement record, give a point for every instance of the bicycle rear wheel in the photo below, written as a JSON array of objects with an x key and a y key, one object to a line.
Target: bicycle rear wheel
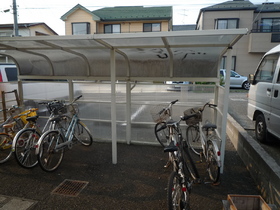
[
  {"x": 82, "y": 134},
  {"x": 162, "y": 133},
  {"x": 49, "y": 157},
  {"x": 213, "y": 167},
  {"x": 25, "y": 143},
  {"x": 5, "y": 147},
  {"x": 193, "y": 138},
  {"x": 178, "y": 197}
]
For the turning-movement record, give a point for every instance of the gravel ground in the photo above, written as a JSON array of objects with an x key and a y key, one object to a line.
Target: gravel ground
[{"x": 137, "y": 181}]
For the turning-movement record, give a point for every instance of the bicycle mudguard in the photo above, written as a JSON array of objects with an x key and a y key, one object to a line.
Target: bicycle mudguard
[{"x": 217, "y": 152}]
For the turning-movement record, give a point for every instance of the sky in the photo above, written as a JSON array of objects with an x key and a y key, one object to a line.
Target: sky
[{"x": 50, "y": 11}]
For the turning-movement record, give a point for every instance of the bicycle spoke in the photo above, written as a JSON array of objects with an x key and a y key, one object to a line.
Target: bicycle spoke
[
  {"x": 50, "y": 158},
  {"x": 25, "y": 143}
]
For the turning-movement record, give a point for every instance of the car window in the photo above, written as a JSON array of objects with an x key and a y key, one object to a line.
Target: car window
[
  {"x": 11, "y": 73},
  {"x": 232, "y": 74},
  {"x": 266, "y": 69}
]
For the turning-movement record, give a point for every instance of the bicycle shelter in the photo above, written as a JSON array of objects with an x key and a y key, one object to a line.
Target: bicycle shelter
[{"x": 147, "y": 57}]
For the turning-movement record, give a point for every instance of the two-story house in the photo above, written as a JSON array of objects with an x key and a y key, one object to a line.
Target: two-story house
[
  {"x": 80, "y": 20},
  {"x": 24, "y": 29},
  {"x": 262, "y": 21}
]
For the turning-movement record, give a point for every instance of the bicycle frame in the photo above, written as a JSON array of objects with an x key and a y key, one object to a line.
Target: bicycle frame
[{"x": 68, "y": 137}]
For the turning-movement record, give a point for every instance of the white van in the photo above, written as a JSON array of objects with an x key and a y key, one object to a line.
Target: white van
[
  {"x": 264, "y": 96},
  {"x": 8, "y": 72}
]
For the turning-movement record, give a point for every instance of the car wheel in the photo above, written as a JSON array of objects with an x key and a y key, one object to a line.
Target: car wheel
[
  {"x": 246, "y": 85},
  {"x": 260, "y": 129}
]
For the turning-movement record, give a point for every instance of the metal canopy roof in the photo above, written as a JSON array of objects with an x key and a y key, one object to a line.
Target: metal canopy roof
[
  {"x": 139, "y": 56},
  {"x": 158, "y": 56}
]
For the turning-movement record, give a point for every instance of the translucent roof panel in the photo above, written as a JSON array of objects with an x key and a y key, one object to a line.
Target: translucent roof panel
[{"x": 155, "y": 55}]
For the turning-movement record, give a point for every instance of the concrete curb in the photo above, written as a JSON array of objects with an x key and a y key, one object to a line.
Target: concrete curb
[{"x": 262, "y": 167}]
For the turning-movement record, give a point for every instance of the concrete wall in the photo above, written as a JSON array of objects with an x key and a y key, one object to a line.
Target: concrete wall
[{"x": 262, "y": 167}]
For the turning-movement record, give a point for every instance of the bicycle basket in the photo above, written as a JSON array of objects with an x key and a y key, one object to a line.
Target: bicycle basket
[
  {"x": 57, "y": 108},
  {"x": 158, "y": 113},
  {"x": 193, "y": 120},
  {"x": 28, "y": 113},
  {"x": 73, "y": 108}
]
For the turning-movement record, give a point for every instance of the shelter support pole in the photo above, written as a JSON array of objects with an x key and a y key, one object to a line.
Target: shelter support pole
[
  {"x": 20, "y": 92},
  {"x": 128, "y": 112},
  {"x": 225, "y": 108},
  {"x": 113, "y": 105},
  {"x": 71, "y": 90}
]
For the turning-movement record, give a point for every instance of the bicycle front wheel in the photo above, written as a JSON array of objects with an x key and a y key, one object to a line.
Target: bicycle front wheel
[
  {"x": 49, "y": 156},
  {"x": 25, "y": 143},
  {"x": 193, "y": 138},
  {"x": 178, "y": 197},
  {"x": 5, "y": 147},
  {"x": 82, "y": 134},
  {"x": 162, "y": 133},
  {"x": 213, "y": 167}
]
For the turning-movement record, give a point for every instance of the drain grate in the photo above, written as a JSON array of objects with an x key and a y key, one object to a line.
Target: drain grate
[{"x": 70, "y": 187}]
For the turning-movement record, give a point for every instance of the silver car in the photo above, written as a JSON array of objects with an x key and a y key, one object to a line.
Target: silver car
[{"x": 236, "y": 80}]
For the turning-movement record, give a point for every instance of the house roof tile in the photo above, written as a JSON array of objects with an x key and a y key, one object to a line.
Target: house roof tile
[{"x": 133, "y": 13}]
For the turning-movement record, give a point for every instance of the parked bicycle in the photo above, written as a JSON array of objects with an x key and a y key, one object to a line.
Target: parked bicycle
[
  {"x": 203, "y": 141},
  {"x": 9, "y": 128},
  {"x": 25, "y": 141},
  {"x": 51, "y": 145},
  {"x": 184, "y": 172},
  {"x": 161, "y": 115}
]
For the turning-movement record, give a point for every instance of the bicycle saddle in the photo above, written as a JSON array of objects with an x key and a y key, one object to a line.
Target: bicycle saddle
[
  {"x": 170, "y": 148},
  {"x": 32, "y": 119},
  {"x": 209, "y": 126}
]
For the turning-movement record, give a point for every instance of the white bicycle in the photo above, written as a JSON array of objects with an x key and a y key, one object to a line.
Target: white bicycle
[{"x": 203, "y": 141}]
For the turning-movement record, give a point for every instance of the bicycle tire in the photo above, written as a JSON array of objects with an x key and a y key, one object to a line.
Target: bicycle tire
[
  {"x": 82, "y": 134},
  {"x": 5, "y": 147},
  {"x": 49, "y": 159},
  {"x": 162, "y": 133},
  {"x": 212, "y": 164},
  {"x": 177, "y": 197},
  {"x": 25, "y": 143},
  {"x": 189, "y": 163},
  {"x": 193, "y": 138}
]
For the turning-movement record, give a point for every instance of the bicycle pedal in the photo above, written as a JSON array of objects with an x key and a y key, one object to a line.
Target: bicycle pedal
[{"x": 167, "y": 164}]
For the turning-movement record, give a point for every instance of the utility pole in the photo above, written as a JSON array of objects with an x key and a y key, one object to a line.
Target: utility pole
[{"x": 15, "y": 33}]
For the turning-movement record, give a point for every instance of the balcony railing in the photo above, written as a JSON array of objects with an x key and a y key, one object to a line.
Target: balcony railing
[{"x": 264, "y": 30}]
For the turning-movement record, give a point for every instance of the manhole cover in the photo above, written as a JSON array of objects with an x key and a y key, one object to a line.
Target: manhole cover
[{"x": 70, "y": 187}]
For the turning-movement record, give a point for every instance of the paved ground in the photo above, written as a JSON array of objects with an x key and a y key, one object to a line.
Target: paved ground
[{"x": 138, "y": 181}]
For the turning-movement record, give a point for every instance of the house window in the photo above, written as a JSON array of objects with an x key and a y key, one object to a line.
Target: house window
[
  {"x": 270, "y": 25},
  {"x": 80, "y": 28},
  {"x": 112, "y": 28},
  {"x": 151, "y": 27},
  {"x": 226, "y": 23},
  {"x": 224, "y": 63}
]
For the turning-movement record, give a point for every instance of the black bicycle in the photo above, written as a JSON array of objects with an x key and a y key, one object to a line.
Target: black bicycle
[{"x": 184, "y": 170}]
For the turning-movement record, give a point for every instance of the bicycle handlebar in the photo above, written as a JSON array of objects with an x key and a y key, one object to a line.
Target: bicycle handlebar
[
  {"x": 168, "y": 107},
  {"x": 76, "y": 99},
  {"x": 209, "y": 105}
]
